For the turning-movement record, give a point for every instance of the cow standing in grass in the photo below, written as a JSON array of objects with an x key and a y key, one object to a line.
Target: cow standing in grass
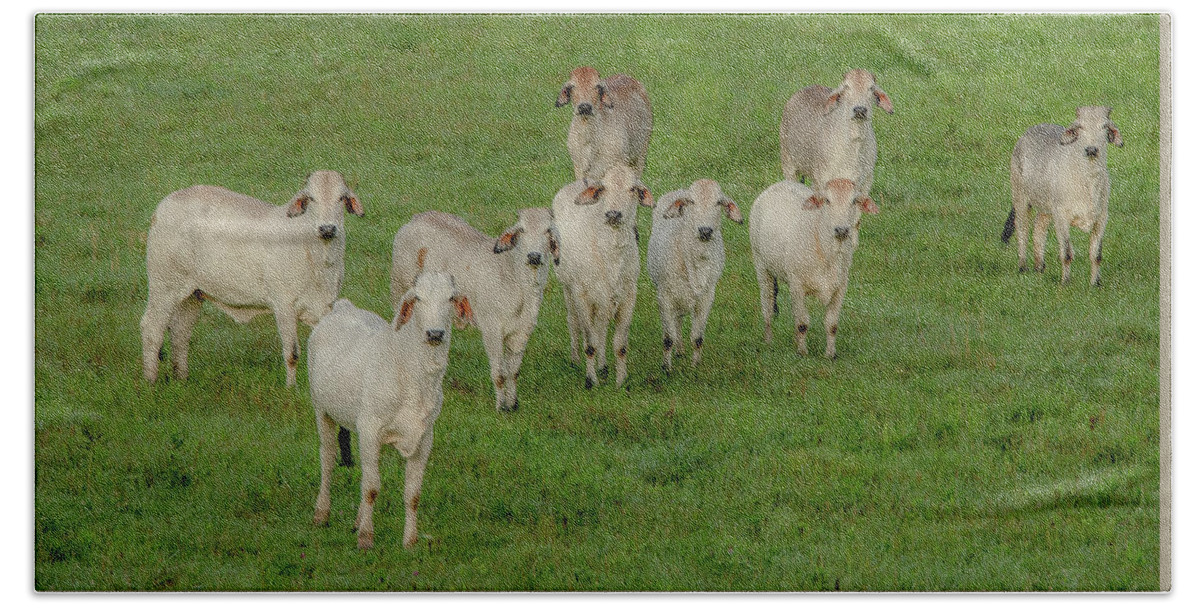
[
  {"x": 610, "y": 122},
  {"x": 806, "y": 239},
  {"x": 246, "y": 257},
  {"x": 1061, "y": 175}
]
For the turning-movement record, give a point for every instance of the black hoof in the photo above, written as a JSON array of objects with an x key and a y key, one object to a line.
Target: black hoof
[{"x": 587, "y": 383}]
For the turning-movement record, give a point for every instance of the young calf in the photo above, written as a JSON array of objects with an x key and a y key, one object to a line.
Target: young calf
[
  {"x": 1062, "y": 175},
  {"x": 504, "y": 277},
  {"x": 385, "y": 381},
  {"x": 246, "y": 257},
  {"x": 610, "y": 124},
  {"x": 685, "y": 258},
  {"x": 600, "y": 262},
  {"x": 807, "y": 239}
]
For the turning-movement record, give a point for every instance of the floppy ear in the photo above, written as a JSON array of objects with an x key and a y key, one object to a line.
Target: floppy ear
[
  {"x": 352, "y": 204},
  {"x": 298, "y": 206},
  {"x": 605, "y": 98},
  {"x": 463, "y": 316},
  {"x": 882, "y": 100},
  {"x": 813, "y": 202},
  {"x": 1069, "y": 136},
  {"x": 508, "y": 240},
  {"x": 833, "y": 99},
  {"x": 868, "y": 205},
  {"x": 675, "y": 209},
  {"x": 406, "y": 310},
  {"x": 645, "y": 199},
  {"x": 1114, "y": 136},
  {"x": 731, "y": 209},
  {"x": 589, "y": 196},
  {"x": 564, "y": 96}
]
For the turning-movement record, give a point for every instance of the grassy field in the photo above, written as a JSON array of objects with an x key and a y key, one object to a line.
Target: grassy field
[{"x": 980, "y": 430}]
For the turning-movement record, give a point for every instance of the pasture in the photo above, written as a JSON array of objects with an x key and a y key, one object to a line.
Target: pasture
[{"x": 980, "y": 429}]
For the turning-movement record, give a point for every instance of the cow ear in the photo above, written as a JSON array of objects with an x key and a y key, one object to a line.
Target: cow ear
[
  {"x": 645, "y": 199},
  {"x": 463, "y": 315},
  {"x": 564, "y": 96},
  {"x": 406, "y": 311},
  {"x": 605, "y": 98},
  {"x": 833, "y": 100},
  {"x": 1114, "y": 136},
  {"x": 589, "y": 196},
  {"x": 813, "y": 202},
  {"x": 1069, "y": 136},
  {"x": 868, "y": 205},
  {"x": 731, "y": 210},
  {"x": 298, "y": 206},
  {"x": 508, "y": 240},
  {"x": 675, "y": 209},
  {"x": 352, "y": 204},
  {"x": 882, "y": 100}
]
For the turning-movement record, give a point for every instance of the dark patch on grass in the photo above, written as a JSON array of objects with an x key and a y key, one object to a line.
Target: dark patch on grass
[
  {"x": 1112, "y": 454},
  {"x": 1030, "y": 414},
  {"x": 171, "y": 477},
  {"x": 95, "y": 295},
  {"x": 673, "y": 465},
  {"x": 58, "y": 541},
  {"x": 1006, "y": 443}
]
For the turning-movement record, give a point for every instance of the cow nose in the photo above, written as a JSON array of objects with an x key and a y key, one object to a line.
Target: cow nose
[
  {"x": 841, "y": 232},
  {"x": 534, "y": 258},
  {"x": 613, "y": 218},
  {"x": 860, "y": 112},
  {"x": 705, "y": 233},
  {"x": 327, "y": 231},
  {"x": 584, "y": 109},
  {"x": 434, "y": 336},
  {"x": 1091, "y": 151}
]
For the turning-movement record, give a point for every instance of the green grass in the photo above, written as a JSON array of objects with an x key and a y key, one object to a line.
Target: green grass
[{"x": 980, "y": 430}]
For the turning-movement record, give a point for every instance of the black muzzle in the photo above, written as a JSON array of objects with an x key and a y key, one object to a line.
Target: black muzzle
[
  {"x": 706, "y": 234},
  {"x": 534, "y": 259},
  {"x": 1091, "y": 151},
  {"x": 435, "y": 336},
  {"x": 584, "y": 109},
  {"x": 613, "y": 218},
  {"x": 860, "y": 112},
  {"x": 327, "y": 231},
  {"x": 841, "y": 233}
]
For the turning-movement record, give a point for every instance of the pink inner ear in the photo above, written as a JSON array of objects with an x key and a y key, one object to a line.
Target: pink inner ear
[
  {"x": 297, "y": 207},
  {"x": 832, "y": 101},
  {"x": 353, "y": 206},
  {"x": 644, "y": 197},
  {"x": 464, "y": 316},
  {"x": 869, "y": 206},
  {"x": 406, "y": 310},
  {"x": 883, "y": 100},
  {"x": 812, "y": 202},
  {"x": 731, "y": 210}
]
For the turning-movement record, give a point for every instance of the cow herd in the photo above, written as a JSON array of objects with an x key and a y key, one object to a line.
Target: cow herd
[{"x": 383, "y": 379}]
